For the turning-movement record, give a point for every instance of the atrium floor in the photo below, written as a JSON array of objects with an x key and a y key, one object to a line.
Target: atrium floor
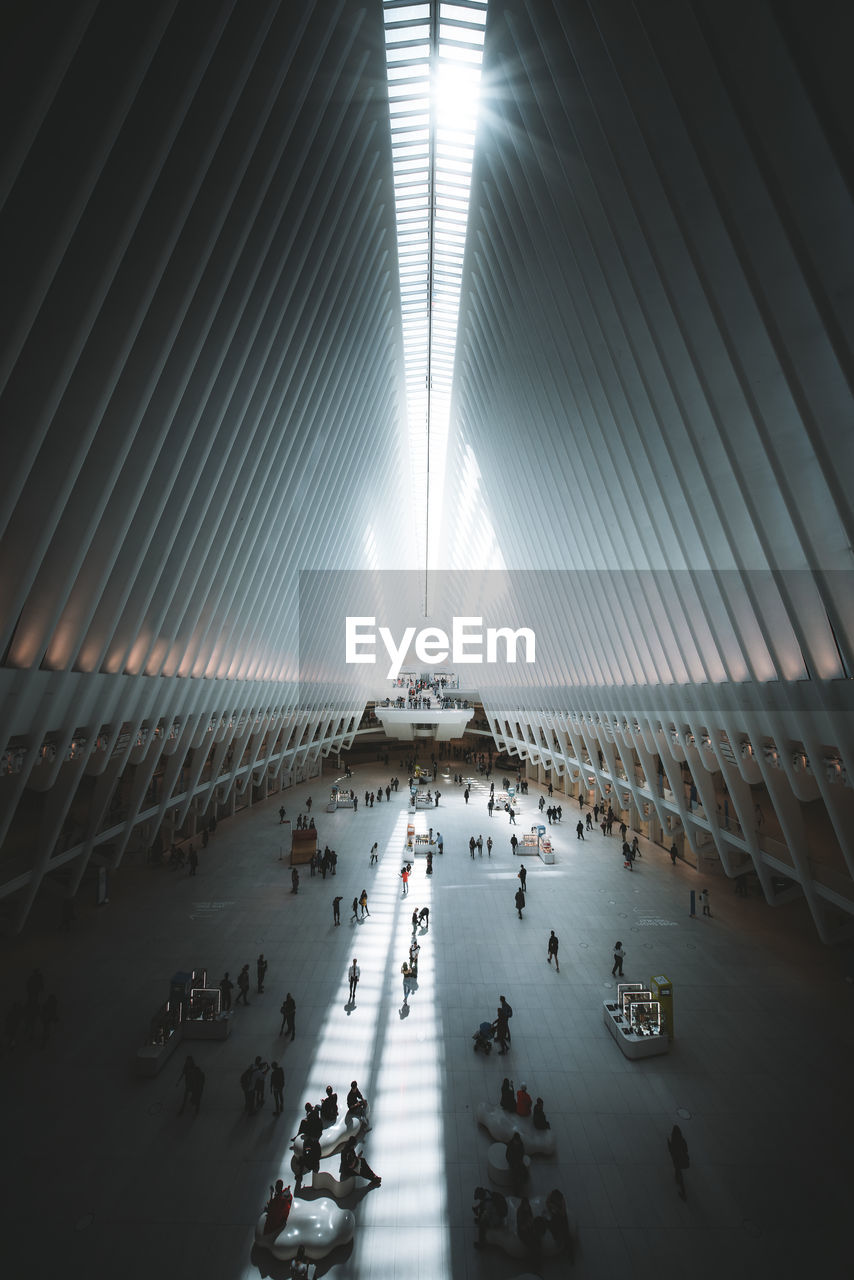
[{"x": 104, "y": 1179}]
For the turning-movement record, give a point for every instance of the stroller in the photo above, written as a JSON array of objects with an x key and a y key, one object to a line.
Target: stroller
[{"x": 483, "y": 1037}]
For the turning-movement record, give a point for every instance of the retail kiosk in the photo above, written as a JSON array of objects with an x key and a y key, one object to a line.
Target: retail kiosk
[{"x": 634, "y": 1020}]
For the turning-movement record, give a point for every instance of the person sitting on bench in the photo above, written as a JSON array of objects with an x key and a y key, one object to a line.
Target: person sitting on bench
[
  {"x": 353, "y": 1164},
  {"x": 329, "y": 1106},
  {"x": 278, "y": 1207}
]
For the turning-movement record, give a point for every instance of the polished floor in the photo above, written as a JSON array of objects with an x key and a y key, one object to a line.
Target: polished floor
[{"x": 102, "y": 1178}]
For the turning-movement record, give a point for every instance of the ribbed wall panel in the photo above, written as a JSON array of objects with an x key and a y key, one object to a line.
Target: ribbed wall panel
[
  {"x": 203, "y": 366},
  {"x": 654, "y": 377}
]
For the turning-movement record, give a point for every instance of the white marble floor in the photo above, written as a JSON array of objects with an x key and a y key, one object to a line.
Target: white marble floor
[{"x": 102, "y": 1178}]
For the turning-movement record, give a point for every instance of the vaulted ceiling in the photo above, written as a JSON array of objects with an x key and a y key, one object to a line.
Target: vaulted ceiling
[{"x": 203, "y": 395}]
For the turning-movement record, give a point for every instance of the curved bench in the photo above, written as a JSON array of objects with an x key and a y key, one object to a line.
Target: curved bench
[
  {"x": 497, "y": 1167},
  {"x": 323, "y": 1181},
  {"x": 335, "y": 1135},
  {"x": 504, "y": 1237},
  {"x": 318, "y": 1225},
  {"x": 501, "y": 1125}
]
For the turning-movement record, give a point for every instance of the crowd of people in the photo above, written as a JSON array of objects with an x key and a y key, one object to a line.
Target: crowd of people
[
  {"x": 532, "y": 1225},
  {"x": 307, "y": 1143}
]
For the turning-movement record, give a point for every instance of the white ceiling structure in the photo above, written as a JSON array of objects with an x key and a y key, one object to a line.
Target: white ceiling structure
[{"x": 645, "y": 449}]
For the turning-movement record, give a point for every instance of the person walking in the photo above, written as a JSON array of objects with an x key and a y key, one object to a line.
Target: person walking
[
  {"x": 247, "y": 1085},
  {"x": 440, "y": 843},
  {"x": 259, "y": 1076},
  {"x": 193, "y": 859},
  {"x": 472, "y": 843},
  {"x": 704, "y": 899},
  {"x": 277, "y": 1087},
  {"x": 502, "y": 1029},
  {"x": 512, "y": 813},
  {"x": 553, "y": 946},
  {"x": 260, "y": 970},
  {"x": 289, "y": 1016},
  {"x": 619, "y": 957},
  {"x": 490, "y": 806},
  {"x": 243, "y": 984},
  {"x": 513, "y": 842},
  {"x": 523, "y": 878},
  {"x": 354, "y": 973},
  {"x": 187, "y": 1073},
  {"x": 281, "y": 815},
  {"x": 194, "y": 1083},
  {"x": 363, "y": 903},
  {"x": 489, "y": 846},
  {"x": 479, "y": 843},
  {"x": 355, "y": 915},
  {"x": 678, "y": 1148},
  {"x": 520, "y": 901},
  {"x": 336, "y": 909},
  {"x": 505, "y": 1011},
  {"x": 673, "y": 854},
  {"x": 226, "y": 987},
  {"x": 404, "y": 875},
  {"x": 579, "y": 829},
  {"x": 294, "y": 880},
  {"x": 414, "y": 919},
  {"x": 373, "y": 853}
]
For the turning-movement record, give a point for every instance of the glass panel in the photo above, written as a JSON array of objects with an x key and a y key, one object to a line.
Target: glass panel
[
  {"x": 412, "y": 105},
  {"x": 400, "y": 52},
  {"x": 463, "y": 13},
  {"x": 472, "y": 56},
  {"x": 447, "y": 32},
  {"x": 417, "y": 31},
  {"x": 409, "y": 11}
]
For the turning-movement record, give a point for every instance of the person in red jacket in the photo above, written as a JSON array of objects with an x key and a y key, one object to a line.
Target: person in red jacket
[
  {"x": 278, "y": 1207},
  {"x": 524, "y": 1102}
]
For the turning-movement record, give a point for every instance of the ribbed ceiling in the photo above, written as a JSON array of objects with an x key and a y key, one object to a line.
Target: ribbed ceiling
[{"x": 202, "y": 387}]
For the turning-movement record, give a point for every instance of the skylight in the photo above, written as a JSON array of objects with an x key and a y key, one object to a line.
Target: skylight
[{"x": 433, "y": 55}]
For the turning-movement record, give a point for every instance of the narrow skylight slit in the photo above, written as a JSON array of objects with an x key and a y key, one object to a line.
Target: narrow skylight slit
[{"x": 441, "y": 47}]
